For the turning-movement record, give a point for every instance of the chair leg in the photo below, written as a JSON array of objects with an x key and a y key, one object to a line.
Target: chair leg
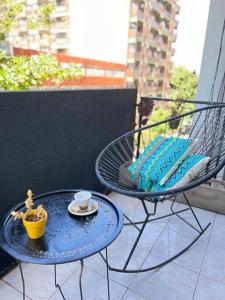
[
  {"x": 153, "y": 219},
  {"x": 199, "y": 229},
  {"x": 107, "y": 273},
  {"x": 147, "y": 219},
  {"x": 140, "y": 232},
  {"x": 22, "y": 277},
  {"x": 80, "y": 278},
  {"x": 193, "y": 212},
  {"x": 57, "y": 285}
]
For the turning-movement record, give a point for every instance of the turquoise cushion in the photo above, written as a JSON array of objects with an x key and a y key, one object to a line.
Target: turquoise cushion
[
  {"x": 163, "y": 162},
  {"x": 189, "y": 168},
  {"x": 137, "y": 165}
]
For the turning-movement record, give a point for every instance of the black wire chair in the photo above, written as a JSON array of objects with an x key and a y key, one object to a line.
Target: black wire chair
[{"x": 206, "y": 126}]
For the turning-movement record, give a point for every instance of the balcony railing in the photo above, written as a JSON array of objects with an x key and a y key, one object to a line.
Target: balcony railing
[{"x": 64, "y": 132}]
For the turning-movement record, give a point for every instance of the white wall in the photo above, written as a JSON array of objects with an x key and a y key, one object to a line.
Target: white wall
[
  {"x": 99, "y": 29},
  {"x": 191, "y": 33},
  {"x": 211, "y": 50}
]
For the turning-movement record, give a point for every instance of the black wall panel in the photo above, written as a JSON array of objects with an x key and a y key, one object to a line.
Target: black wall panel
[{"x": 50, "y": 140}]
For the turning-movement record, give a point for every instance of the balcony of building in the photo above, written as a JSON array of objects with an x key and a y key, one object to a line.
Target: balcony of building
[
  {"x": 61, "y": 6},
  {"x": 136, "y": 14},
  {"x": 50, "y": 140}
]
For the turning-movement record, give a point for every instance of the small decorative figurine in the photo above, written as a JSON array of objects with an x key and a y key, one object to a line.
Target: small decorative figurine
[{"x": 34, "y": 220}]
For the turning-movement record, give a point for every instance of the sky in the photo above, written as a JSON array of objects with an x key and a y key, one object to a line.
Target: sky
[
  {"x": 100, "y": 31},
  {"x": 191, "y": 33}
]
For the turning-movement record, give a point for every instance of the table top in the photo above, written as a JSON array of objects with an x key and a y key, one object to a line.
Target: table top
[{"x": 67, "y": 238}]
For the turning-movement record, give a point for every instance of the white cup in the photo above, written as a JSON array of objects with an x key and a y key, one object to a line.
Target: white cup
[{"x": 83, "y": 199}]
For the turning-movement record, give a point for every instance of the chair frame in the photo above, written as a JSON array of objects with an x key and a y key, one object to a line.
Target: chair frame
[{"x": 150, "y": 197}]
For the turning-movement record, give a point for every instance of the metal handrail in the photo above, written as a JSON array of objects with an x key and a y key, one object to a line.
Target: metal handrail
[{"x": 182, "y": 100}]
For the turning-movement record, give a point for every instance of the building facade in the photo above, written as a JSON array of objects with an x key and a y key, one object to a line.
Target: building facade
[
  {"x": 96, "y": 73},
  {"x": 152, "y": 32},
  {"x": 53, "y": 37}
]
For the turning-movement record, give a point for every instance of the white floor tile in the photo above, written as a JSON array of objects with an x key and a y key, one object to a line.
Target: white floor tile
[
  {"x": 94, "y": 287},
  {"x": 130, "y": 295},
  {"x": 172, "y": 242},
  {"x": 204, "y": 217},
  {"x": 126, "y": 203},
  {"x": 214, "y": 262},
  {"x": 117, "y": 257},
  {"x": 165, "y": 237},
  {"x": 170, "y": 282},
  {"x": 9, "y": 293},
  {"x": 39, "y": 279},
  {"x": 149, "y": 237},
  {"x": 208, "y": 289},
  {"x": 138, "y": 214},
  {"x": 219, "y": 227}
]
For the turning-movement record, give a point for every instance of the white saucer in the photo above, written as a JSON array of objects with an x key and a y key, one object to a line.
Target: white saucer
[{"x": 74, "y": 209}]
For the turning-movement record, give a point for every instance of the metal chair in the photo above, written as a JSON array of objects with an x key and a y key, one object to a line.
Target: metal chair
[{"x": 207, "y": 128}]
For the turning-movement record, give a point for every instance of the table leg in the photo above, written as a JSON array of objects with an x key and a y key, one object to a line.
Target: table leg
[
  {"x": 22, "y": 277},
  {"x": 80, "y": 277},
  {"x": 107, "y": 272},
  {"x": 57, "y": 285}
]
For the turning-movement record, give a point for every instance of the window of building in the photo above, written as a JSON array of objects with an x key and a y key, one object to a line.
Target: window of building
[
  {"x": 61, "y": 35},
  {"x": 137, "y": 64},
  {"x": 60, "y": 19},
  {"x": 130, "y": 84},
  {"x": 138, "y": 46},
  {"x": 167, "y": 23},
  {"x": 61, "y": 51},
  {"x": 133, "y": 25},
  {"x": 154, "y": 32},
  {"x": 150, "y": 82},
  {"x": 151, "y": 68},
  {"x": 165, "y": 39},
  {"x": 130, "y": 65},
  {"x": 160, "y": 83},
  {"x": 161, "y": 69},
  {"x": 156, "y": 14},
  {"x": 60, "y": 2},
  {"x": 166, "y": 4},
  {"x": 163, "y": 54},
  {"x": 41, "y": 2},
  {"x": 23, "y": 34},
  {"x": 136, "y": 83},
  {"x": 140, "y": 26},
  {"x": 142, "y": 5},
  {"x": 44, "y": 49}
]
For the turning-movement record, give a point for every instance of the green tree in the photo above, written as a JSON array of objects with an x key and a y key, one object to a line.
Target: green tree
[
  {"x": 24, "y": 72},
  {"x": 10, "y": 9},
  {"x": 183, "y": 85}
]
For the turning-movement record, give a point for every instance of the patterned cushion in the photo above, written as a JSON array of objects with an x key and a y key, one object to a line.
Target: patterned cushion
[
  {"x": 163, "y": 162},
  {"x": 189, "y": 168},
  {"x": 137, "y": 165}
]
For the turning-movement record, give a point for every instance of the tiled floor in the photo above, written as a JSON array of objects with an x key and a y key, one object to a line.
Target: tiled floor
[{"x": 198, "y": 274}]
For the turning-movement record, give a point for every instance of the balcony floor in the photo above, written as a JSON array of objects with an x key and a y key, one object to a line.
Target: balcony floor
[{"x": 197, "y": 274}]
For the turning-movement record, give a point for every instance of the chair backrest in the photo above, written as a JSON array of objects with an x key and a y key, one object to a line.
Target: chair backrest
[{"x": 205, "y": 126}]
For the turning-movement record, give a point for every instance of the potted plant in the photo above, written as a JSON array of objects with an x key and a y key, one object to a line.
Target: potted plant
[{"x": 34, "y": 219}]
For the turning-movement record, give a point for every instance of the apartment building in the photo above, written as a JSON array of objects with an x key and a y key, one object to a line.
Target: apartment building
[
  {"x": 152, "y": 32},
  {"x": 54, "y": 38},
  {"x": 148, "y": 31}
]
